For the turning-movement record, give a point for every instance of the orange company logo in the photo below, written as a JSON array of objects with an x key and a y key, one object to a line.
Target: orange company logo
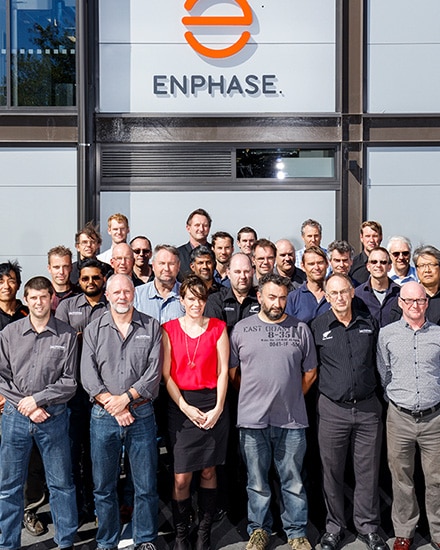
[{"x": 218, "y": 21}]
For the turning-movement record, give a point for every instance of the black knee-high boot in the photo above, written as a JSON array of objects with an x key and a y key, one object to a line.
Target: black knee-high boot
[
  {"x": 182, "y": 518},
  {"x": 207, "y": 505}
]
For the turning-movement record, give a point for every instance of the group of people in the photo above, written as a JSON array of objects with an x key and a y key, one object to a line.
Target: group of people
[{"x": 247, "y": 347}]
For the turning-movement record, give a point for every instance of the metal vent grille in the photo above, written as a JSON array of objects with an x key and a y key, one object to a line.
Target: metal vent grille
[{"x": 167, "y": 165}]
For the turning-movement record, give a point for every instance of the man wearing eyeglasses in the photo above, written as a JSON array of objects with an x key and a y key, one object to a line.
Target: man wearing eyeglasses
[
  {"x": 427, "y": 262},
  {"x": 400, "y": 252},
  {"x": 349, "y": 413},
  {"x": 408, "y": 359},
  {"x": 379, "y": 294},
  {"x": 142, "y": 270}
]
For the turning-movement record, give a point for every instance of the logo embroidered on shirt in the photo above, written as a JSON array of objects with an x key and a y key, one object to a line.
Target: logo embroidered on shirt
[
  {"x": 365, "y": 331},
  {"x": 326, "y": 335},
  {"x": 142, "y": 336},
  {"x": 55, "y": 346}
]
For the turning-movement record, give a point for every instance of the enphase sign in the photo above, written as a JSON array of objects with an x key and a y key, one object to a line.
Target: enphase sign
[{"x": 218, "y": 21}]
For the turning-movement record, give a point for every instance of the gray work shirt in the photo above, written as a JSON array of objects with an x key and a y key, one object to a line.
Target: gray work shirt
[
  {"x": 272, "y": 358},
  {"x": 78, "y": 313},
  {"x": 41, "y": 365},
  {"x": 409, "y": 364},
  {"x": 148, "y": 300},
  {"x": 110, "y": 363}
]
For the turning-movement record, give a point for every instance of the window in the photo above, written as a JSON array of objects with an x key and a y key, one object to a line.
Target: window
[
  {"x": 284, "y": 163},
  {"x": 41, "y": 42}
]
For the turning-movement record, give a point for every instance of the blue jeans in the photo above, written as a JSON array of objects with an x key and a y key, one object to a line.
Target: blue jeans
[
  {"x": 52, "y": 439},
  {"x": 107, "y": 439},
  {"x": 286, "y": 447}
]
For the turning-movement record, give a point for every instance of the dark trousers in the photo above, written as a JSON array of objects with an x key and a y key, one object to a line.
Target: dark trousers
[{"x": 354, "y": 428}]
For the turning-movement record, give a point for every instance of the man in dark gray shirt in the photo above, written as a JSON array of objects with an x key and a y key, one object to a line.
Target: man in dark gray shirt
[
  {"x": 37, "y": 377},
  {"x": 79, "y": 311},
  {"x": 121, "y": 371},
  {"x": 408, "y": 360}
]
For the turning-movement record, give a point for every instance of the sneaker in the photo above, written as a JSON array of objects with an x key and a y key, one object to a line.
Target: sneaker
[
  {"x": 258, "y": 540},
  {"x": 300, "y": 543}
]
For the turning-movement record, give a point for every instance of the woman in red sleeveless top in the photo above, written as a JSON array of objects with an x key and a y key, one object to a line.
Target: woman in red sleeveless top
[{"x": 196, "y": 355}]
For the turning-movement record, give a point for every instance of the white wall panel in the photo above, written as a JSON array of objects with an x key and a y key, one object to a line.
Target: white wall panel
[
  {"x": 38, "y": 198},
  {"x": 403, "y": 56},
  {"x": 404, "y": 191},
  {"x": 275, "y": 215}
]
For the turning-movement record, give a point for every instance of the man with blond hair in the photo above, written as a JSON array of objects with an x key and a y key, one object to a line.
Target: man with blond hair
[{"x": 118, "y": 229}]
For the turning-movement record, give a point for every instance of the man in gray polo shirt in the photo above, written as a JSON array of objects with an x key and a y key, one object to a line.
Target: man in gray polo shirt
[
  {"x": 37, "y": 377},
  {"x": 277, "y": 360},
  {"x": 121, "y": 370}
]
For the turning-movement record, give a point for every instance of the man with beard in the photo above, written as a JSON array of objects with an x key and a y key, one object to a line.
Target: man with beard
[
  {"x": 273, "y": 360},
  {"x": 121, "y": 371},
  {"x": 202, "y": 263},
  {"x": 78, "y": 312}
]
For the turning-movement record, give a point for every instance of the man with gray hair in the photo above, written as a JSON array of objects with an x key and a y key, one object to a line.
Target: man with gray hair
[
  {"x": 340, "y": 257},
  {"x": 160, "y": 298},
  {"x": 121, "y": 370},
  {"x": 311, "y": 234},
  {"x": 401, "y": 272}
]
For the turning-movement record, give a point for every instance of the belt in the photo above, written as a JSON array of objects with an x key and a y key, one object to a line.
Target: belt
[
  {"x": 351, "y": 401},
  {"x": 417, "y": 414},
  {"x": 133, "y": 405}
]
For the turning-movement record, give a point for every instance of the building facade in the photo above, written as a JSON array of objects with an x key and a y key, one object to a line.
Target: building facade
[{"x": 263, "y": 113}]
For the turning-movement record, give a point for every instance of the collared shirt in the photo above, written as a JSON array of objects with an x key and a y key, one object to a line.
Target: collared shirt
[
  {"x": 410, "y": 276},
  {"x": 359, "y": 270},
  {"x": 111, "y": 363},
  {"x": 382, "y": 312},
  {"x": 148, "y": 300},
  {"x": 78, "y": 312},
  {"x": 346, "y": 356},
  {"x": 302, "y": 304},
  {"x": 105, "y": 256},
  {"x": 222, "y": 282},
  {"x": 42, "y": 365},
  {"x": 20, "y": 312},
  {"x": 272, "y": 358},
  {"x": 409, "y": 364},
  {"x": 58, "y": 297},
  {"x": 225, "y": 306}
]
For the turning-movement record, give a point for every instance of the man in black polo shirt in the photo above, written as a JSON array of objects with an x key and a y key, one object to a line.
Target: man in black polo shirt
[
  {"x": 238, "y": 302},
  {"x": 349, "y": 413}
]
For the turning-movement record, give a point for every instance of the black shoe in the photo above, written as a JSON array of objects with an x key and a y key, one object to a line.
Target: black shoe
[
  {"x": 33, "y": 525},
  {"x": 145, "y": 546},
  {"x": 331, "y": 541},
  {"x": 373, "y": 541}
]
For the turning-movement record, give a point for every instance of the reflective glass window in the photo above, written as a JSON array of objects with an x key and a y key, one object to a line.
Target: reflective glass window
[
  {"x": 285, "y": 163},
  {"x": 43, "y": 41}
]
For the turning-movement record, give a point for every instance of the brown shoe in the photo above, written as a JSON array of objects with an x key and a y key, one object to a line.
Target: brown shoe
[
  {"x": 33, "y": 525},
  {"x": 402, "y": 544}
]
